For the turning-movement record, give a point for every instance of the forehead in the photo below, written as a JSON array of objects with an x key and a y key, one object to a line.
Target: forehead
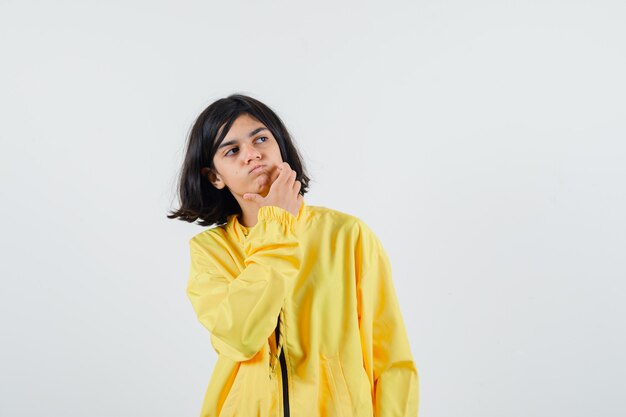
[
  {"x": 243, "y": 127},
  {"x": 240, "y": 128}
]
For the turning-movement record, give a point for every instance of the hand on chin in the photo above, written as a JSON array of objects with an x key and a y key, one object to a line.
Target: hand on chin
[{"x": 266, "y": 179}]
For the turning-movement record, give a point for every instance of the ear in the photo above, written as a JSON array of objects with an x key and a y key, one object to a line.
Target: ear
[{"x": 213, "y": 177}]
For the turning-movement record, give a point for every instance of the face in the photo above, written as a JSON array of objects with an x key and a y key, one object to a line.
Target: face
[{"x": 247, "y": 159}]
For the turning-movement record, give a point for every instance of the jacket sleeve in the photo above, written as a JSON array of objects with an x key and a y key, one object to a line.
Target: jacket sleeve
[
  {"x": 387, "y": 355},
  {"x": 241, "y": 314}
]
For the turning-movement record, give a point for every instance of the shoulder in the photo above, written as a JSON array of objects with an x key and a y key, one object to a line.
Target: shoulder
[
  {"x": 208, "y": 239},
  {"x": 319, "y": 215},
  {"x": 316, "y": 214}
]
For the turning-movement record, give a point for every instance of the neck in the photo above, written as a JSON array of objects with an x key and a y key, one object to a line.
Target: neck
[
  {"x": 249, "y": 217},
  {"x": 249, "y": 211}
]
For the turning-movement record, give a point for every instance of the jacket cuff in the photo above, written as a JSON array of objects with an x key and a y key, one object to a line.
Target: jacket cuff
[
  {"x": 276, "y": 214},
  {"x": 275, "y": 229}
]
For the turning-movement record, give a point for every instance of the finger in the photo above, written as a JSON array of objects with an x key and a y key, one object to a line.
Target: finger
[
  {"x": 281, "y": 178},
  {"x": 276, "y": 173},
  {"x": 297, "y": 185},
  {"x": 282, "y": 169},
  {"x": 252, "y": 197},
  {"x": 284, "y": 166},
  {"x": 285, "y": 174}
]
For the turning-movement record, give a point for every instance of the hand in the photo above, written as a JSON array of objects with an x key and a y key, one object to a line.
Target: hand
[{"x": 284, "y": 191}]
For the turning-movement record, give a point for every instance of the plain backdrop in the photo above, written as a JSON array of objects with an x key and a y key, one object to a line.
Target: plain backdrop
[{"x": 483, "y": 142}]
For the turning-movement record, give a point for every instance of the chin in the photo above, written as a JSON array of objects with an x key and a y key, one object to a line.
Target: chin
[{"x": 263, "y": 187}]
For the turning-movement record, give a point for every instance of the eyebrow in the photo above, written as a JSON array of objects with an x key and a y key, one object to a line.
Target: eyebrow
[{"x": 234, "y": 141}]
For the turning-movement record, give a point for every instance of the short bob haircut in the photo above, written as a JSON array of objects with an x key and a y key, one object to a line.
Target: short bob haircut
[{"x": 198, "y": 197}]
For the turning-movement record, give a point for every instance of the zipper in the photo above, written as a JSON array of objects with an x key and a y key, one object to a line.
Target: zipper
[{"x": 283, "y": 369}]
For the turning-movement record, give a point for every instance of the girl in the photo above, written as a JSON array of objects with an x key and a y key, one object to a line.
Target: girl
[{"x": 298, "y": 299}]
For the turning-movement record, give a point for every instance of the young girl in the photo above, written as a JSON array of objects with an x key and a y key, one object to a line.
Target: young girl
[{"x": 298, "y": 299}]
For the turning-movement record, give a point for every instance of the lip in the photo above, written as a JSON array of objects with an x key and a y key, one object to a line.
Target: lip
[{"x": 256, "y": 168}]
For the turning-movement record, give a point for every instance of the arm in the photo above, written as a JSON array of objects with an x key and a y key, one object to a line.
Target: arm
[
  {"x": 387, "y": 355},
  {"x": 241, "y": 314}
]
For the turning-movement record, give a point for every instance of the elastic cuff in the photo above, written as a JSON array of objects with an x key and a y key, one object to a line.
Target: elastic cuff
[
  {"x": 277, "y": 214},
  {"x": 274, "y": 226}
]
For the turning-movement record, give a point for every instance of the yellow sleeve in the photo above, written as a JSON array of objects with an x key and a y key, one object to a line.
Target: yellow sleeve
[
  {"x": 387, "y": 355},
  {"x": 241, "y": 314}
]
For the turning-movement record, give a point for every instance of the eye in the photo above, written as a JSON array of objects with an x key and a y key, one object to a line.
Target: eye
[
  {"x": 232, "y": 149},
  {"x": 265, "y": 138}
]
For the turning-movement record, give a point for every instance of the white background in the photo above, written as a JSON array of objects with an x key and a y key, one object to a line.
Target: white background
[{"x": 482, "y": 141}]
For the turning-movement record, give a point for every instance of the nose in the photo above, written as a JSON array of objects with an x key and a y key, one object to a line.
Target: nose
[{"x": 251, "y": 153}]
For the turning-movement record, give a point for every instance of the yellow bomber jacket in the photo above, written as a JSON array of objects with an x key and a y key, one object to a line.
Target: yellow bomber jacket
[{"x": 304, "y": 318}]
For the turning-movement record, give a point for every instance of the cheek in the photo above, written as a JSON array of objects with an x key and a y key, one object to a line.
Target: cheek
[
  {"x": 277, "y": 152},
  {"x": 236, "y": 175}
]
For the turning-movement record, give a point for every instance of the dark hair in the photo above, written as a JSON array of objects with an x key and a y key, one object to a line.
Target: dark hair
[{"x": 198, "y": 197}]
